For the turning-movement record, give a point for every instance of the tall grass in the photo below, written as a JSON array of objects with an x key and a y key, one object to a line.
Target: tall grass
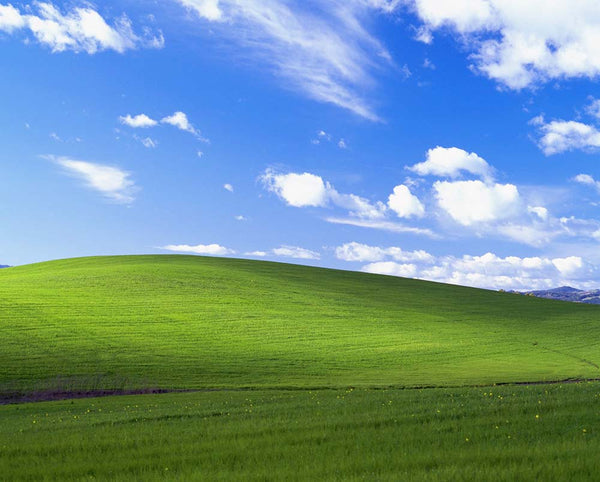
[{"x": 540, "y": 432}]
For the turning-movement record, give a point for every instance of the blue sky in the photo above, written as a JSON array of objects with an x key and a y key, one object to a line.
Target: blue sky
[{"x": 451, "y": 141}]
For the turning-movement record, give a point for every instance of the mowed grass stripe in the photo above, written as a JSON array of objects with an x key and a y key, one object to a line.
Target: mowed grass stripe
[{"x": 195, "y": 322}]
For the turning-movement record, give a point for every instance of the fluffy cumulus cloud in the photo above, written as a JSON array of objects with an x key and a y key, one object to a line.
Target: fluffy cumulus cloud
[
  {"x": 323, "y": 49},
  {"x": 306, "y": 189},
  {"x": 587, "y": 180},
  {"x": 112, "y": 182},
  {"x": 136, "y": 121},
  {"x": 471, "y": 202},
  {"x": 206, "y": 249},
  {"x": 486, "y": 271},
  {"x": 404, "y": 203},
  {"x": 520, "y": 44},
  {"x": 298, "y": 190},
  {"x": 452, "y": 162},
  {"x": 560, "y": 136},
  {"x": 480, "y": 207},
  {"x": 81, "y": 29}
]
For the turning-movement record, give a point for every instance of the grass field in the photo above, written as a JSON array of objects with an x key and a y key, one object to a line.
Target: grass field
[
  {"x": 302, "y": 371},
  {"x": 540, "y": 432},
  {"x": 191, "y": 322}
]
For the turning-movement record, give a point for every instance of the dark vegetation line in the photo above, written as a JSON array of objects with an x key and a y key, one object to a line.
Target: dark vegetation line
[{"x": 51, "y": 395}]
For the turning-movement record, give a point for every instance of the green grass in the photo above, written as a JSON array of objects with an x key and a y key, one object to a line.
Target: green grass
[
  {"x": 303, "y": 360},
  {"x": 193, "y": 322},
  {"x": 540, "y": 432}
]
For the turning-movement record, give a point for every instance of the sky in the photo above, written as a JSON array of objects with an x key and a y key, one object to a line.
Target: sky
[{"x": 454, "y": 141}]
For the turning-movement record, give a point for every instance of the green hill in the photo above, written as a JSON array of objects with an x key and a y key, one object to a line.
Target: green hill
[{"x": 186, "y": 322}]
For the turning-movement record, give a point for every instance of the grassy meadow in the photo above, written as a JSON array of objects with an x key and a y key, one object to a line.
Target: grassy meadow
[
  {"x": 539, "y": 432},
  {"x": 184, "y": 322},
  {"x": 298, "y": 373}
]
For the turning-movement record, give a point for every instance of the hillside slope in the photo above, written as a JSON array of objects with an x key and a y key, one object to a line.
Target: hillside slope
[{"x": 195, "y": 322}]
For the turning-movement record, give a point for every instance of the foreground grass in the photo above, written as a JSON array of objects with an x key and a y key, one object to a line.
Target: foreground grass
[
  {"x": 193, "y": 322},
  {"x": 539, "y": 432}
]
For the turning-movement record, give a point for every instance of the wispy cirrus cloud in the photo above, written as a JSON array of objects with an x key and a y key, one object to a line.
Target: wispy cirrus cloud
[
  {"x": 112, "y": 182},
  {"x": 321, "y": 48},
  {"x": 82, "y": 29},
  {"x": 391, "y": 226}
]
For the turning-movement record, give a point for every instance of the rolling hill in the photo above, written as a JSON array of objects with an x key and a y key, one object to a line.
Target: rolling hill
[
  {"x": 187, "y": 322},
  {"x": 298, "y": 372}
]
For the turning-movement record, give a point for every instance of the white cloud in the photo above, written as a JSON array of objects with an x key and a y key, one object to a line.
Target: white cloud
[
  {"x": 568, "y": 267},
  {"x": 593, "y": 108},
  {"x": 362, "y": 252},
  {"x": 391, "y": 268},
  {"x": 79, "y": 30},
  {"x": 140, "y": 120},
  {"x": 177, "y": 119},
  {"x": 296, "y": 252},
  {"x": 299, "y": 190},
  {"x": 239, "y": 217},
  {"x": 260, "y": 254},
  {"x": 560, "y": 136},
  {"x": 10, "y": 18},
  {"x": 451, "y": 162},
  {"x": 306, "y": 189},
  {"x": 342, "y": 144},
  {"x": 357, "y": 206},
  {"x": 228, "y": 187},
  {"x": 470, "y": 202},
  {"x": 383, "y": 225},
  {"x": 405, "y": 204},
  {"x": 180, "y": 121},
  {"x": 486, "y": 271},
  {"x": 147, "y": 142},
  {"x": 535, "y": 234},
  {"x": 112, "y": 182},
  {"x": 520, "y": 44},
  {"x": 428, "y": 64},
  {"x": 540, "y": 211},
  {"x": 208, "y": 249},
  {"x": 324, "y": 135},
  {"x": 323, "y": 49},
  {"x": 200, "y": 154},
  {"x": 587, "y": 180},
  {"x": 208, "y": 9}
]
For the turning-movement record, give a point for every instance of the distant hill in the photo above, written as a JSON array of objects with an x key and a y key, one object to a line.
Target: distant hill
[
  {"x": 4, "y": 266},
  {"x": 189, "y": 322},
  {"x": 567, "y": 293}
]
